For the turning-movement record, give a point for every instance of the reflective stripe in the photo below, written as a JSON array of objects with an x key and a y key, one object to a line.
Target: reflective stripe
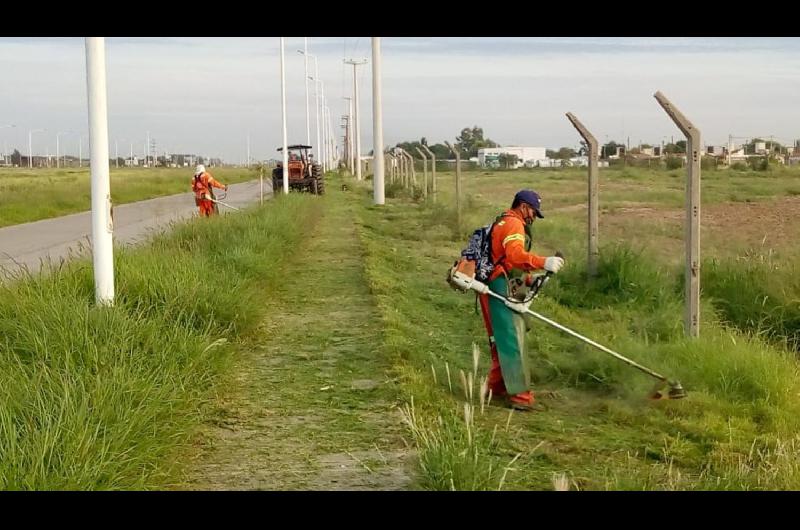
[{"x": 513, "y": 237}]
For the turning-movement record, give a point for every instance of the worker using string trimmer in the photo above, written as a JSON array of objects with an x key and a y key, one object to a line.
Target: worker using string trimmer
[
  {"x": 497, "y": 265},
  {"x": 512, "y": 261},
  {"x": 202, "y": 184}
]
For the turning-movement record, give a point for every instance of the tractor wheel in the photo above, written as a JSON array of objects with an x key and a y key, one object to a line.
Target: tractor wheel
[{"x": 316, "y": 170}]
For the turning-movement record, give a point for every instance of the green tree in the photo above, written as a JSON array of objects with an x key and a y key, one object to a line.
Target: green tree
[
  {"x": 472, "y": 139},
  {"x": 610, "y": 149},
  {"x": 564, "y": 153},
  {"x": 508, "y": 160}
]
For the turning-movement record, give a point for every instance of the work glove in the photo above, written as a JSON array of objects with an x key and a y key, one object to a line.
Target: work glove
[
  {"x": 226, "y": 188},
  {"x": 553, "y": 264}
]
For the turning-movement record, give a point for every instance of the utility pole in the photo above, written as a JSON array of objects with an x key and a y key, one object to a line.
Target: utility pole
[
  {"x": 730, "y": 148},
  {"x": 308, "y": 116},
  {"x": 346, "y": 143},
  {"x": 350, "y": 148},
  {"x": 30, "y": 146},
  {"x": 283, "y": 114},
  {"x": 356, "y": 116},
  {"x": 324, "y": 153},
  {"x": 248, "y": 150},
  {"x": 102, "y": 223}
]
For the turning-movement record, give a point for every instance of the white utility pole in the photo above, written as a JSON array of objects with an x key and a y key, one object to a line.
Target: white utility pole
[
  {"x": 349, "y": 131},
  {"x": 308, "y": 115},
  {"x": 324, "y": 151},
  {"x": 5, "y": 146},
  {"x": 30, "y": 146},
  {"x": 377, "y": 125},
  {"x": 357, "y": 115},
  {"x": 285, "y": 135},
  {"x": 331, "y": 140},
  {"x": 102, "y": 224},
  {"x": 317, "y": 146},
  {"x": 248, "y": 150}
]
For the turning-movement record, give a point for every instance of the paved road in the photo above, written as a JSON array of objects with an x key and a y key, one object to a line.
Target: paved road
[{"x": 28, "y": 243}]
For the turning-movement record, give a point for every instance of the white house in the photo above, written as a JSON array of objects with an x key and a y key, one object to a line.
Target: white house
[{"x": 490, "y": 155}]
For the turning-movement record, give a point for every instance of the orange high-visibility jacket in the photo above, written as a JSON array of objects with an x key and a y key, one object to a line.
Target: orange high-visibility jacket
[
  {"x": 508, "y": 246},
  {"x": 202, "y": 183}
]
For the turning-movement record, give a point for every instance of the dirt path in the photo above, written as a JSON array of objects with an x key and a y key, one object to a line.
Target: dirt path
[{"x": 310, "y": 405}]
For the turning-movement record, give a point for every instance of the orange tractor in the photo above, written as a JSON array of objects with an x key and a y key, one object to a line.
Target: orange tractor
[{"x": 304, "y": 173}]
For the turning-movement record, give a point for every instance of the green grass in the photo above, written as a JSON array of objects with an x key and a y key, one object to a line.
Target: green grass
[
  {"x": 31, "y": 194},
  {"x": 736, "y": 430},
  {"x": 94, "y": 398},
  {"x": 757, "y": 293}
]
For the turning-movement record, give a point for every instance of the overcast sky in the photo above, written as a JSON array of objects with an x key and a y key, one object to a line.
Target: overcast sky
[{"x": 203, "y": 95}]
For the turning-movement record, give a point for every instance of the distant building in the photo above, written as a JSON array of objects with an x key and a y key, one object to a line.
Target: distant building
[{"x": 490, "y": 156}]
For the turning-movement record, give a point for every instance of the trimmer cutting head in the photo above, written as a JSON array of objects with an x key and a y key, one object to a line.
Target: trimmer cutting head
[{"x": 675, "y": 391}]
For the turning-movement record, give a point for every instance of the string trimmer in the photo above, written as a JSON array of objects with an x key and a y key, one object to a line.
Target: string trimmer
[
  {"x": 461, "y": 279},
  {"x": 215, "y": 201}
]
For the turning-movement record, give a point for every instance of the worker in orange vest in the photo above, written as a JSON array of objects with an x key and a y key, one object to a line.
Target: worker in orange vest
[
  {"x": 512, "y": 256},
  {"x": 202, "y": 182}
]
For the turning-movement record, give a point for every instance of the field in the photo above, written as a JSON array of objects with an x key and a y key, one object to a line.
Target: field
[
  {"x": 737, "y": 430},
  {"x": 327, "y": 352}
]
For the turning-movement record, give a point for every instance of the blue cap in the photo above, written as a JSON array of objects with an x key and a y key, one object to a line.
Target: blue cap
[{"x": 532, "y": 198}]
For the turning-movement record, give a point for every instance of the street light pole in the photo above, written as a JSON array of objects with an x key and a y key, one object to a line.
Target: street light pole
[
  {"x": 357, "y": 115},
  {"x": 308, "y": 115},
  {"x": 30, "y": 146},
  {"x": 283, "y": 113},
  {"x": 377, "y": 126},
  {"x": 324, "y": 150},
  {"x": 5, "y": 146},
  {"x": 102, "y": 224}
]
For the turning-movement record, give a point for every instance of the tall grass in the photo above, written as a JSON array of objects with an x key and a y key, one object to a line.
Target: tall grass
[
  {"x": 757, "y": 294},
  {"x": 735, "y": 430},
  {"x": 94, "y": 398}
]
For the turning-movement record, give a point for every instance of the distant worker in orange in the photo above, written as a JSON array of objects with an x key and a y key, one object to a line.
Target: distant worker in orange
[{"x": 202, "y": 182}]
